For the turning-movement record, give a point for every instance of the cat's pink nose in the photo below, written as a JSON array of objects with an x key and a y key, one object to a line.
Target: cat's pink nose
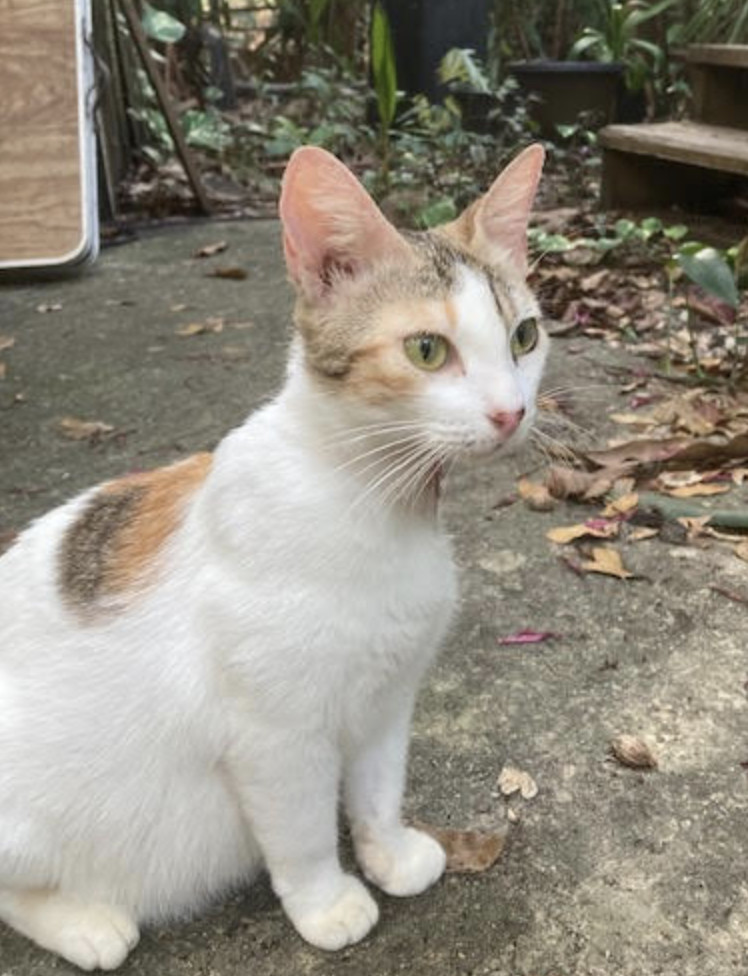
[{"x": 507, "y": 421}]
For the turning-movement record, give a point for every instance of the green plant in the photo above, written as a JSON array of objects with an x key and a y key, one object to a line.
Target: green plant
[
  {"x": 616, "y": 39},
  {"x": 709, "y": 22},
  {"x": 384, "y": 75},
  {"x": 718, "y": 274}
]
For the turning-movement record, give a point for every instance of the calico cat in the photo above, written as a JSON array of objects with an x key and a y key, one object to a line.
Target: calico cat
[{"x": 196, "y": 661}]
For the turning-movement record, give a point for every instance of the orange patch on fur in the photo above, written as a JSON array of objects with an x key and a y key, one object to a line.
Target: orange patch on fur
[
  {"x": 161, "y": 498},
  {"x": 451, "y": 313}
]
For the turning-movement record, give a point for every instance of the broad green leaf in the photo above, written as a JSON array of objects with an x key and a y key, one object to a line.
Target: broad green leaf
[
  {"x": 161, "y": 26},
  {"x": 676, "y": 232},
  {"x": 625, "y": 228},
  {"x": 383, "y": 66},
  {"x": 709, "y": 270},
  {"x": 438, "y": 212}
]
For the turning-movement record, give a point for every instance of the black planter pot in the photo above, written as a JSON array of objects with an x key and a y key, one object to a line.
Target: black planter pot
[{"x": 567, "y": 89}]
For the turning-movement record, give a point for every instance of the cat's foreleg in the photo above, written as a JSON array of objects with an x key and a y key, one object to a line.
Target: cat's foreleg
[
  {"x": 289, "y": 791},
  {"x": 400, "y": 860}
]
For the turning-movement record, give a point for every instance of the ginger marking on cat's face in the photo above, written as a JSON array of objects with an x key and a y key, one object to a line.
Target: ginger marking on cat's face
[{"x": 115, "y": 542}]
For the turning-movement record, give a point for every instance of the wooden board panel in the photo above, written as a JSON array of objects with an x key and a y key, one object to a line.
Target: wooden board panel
[
  {"x": 711, "y": 146},
  {"x": 42, "y": 211},
  {"x": 728, "y": 55}
]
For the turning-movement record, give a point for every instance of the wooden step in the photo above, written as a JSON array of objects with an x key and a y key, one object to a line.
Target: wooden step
[
  {"x": 723, "y": 55},
  {"x": 713, "y": 147}
]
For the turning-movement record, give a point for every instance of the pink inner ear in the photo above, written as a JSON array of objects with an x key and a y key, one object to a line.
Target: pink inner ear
[
  {"x": 329, "y": 221},
  {"x": 504, "y": 211}
]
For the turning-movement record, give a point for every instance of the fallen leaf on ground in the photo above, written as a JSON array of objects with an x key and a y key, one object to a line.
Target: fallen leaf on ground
[
  {"x": 632, "y": 751},
  {"x": 588, "y": 485},
  {"x": 639, "y": 535},
  {"x": 235, "y": 274},
  {"x": 49, "y": 307},
  {"x": 208, "y": 250},
  {"x": 730, "y": 594},
  {"x": 180, "y": 307},
  {"x": 697, "y": 490},
  {"x": 597, "y": 528},
  {"x": 741, "y": 550},
  {"x": 3, "y": 370},
  {"x": 468, "y": 851},
  {"x": 622, "y": 505},
  {"x": 6, "y": 342},
  {"x": 200, "y": 328},
  {"x": 81, "y": 430},
  {"x": 528, "y": 637},
  {"x": 607, "y": 562},
  {"x": 512, "y": 780},
  {"x": 535, "y": 496},
  {"x": 639, "y": 452}
]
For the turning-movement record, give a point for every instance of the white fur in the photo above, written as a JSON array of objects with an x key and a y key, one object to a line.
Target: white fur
[{"x": 154, "y": 759}]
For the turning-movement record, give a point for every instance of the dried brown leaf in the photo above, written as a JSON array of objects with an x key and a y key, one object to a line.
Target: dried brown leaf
[
  {"x": 512, "y": 780},
  {"x": 597, "y": 529},
  {"x": 632, "y": 751},
  {"x": 535, "y": 496},
  {"x": 209, "y": 250},
  {"x": 82, "y": 430},
  {"x": 6, "y": 342},
  {"x": 607, "y": 562},
  {"x": 741, "y": 550},
  {"x": 639, "y": 535},
  {"x": 468, "y": 851},
  {"x": 213, "y": 325},
  {"x": 621, "y": 505},
  {"x": 3, "y": 369},
  {"x": 696, "y": 491},
  {"x": 233, "y": 274}
]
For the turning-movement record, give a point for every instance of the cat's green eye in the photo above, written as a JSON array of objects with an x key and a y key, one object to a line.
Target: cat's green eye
[
  {"x": 525, "y": 337},
  {"x": 427, "y": 351}
]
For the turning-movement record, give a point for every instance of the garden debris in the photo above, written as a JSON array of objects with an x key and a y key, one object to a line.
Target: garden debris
[
  {"x": 535, "y": 496},
  {"x": 83, "y": 430},
  {"x": 528, "y": 637},
  {"x": 512, "y": 780},
  {"x": 6, "y": 342},
  {"x": 632, "y": 751},
  {"x": 596, "y": 528},
  {"x": 210, "y": 325},
  {"x": 210, "y": 250},
  {"x": 607, "y": 562},
  {"x": 231, "y": 274},
  {"x": 468, "y": 851}
]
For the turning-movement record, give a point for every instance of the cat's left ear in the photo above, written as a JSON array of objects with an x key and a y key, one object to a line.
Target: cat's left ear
[
  {"x": 494, "y": 227},
  {"x": 331, "y": 226}
]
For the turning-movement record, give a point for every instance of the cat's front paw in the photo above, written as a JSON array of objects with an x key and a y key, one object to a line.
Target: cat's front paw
[
  {"x": 345, "y": 916},
  {"x": 403, "y": 862}
]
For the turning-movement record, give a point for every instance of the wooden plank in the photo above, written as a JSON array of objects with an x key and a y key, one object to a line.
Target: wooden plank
[
  {"x": 726, "y": 55},
  {"x": 41, "y": 189},
  {"x": 711, "y": 146}
]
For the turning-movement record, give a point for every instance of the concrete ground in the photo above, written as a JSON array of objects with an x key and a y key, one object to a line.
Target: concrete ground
[{"x": 607, "y": 871}]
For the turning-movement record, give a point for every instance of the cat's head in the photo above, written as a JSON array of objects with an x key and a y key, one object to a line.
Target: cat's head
[{"x": 437, "y": 330}]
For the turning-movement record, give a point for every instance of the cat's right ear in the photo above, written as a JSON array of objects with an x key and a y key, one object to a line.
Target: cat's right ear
[{"x": 331, "y": 226}]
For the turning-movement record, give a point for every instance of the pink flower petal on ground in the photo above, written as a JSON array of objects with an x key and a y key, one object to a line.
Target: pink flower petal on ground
[{"x": 528, "y": 637}]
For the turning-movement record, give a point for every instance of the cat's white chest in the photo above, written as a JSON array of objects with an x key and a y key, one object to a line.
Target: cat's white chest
[{"x": 332, "y": 623}]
